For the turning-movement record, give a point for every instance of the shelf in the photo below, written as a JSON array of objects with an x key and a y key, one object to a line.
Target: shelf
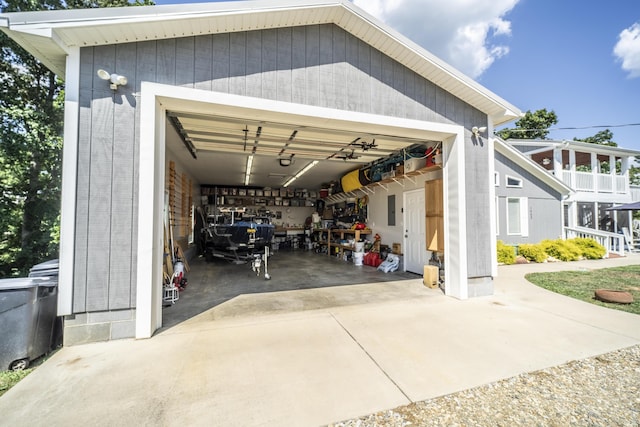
[
  {"x": 342, "y": 232},
  {"x": 370, "y": 188}
]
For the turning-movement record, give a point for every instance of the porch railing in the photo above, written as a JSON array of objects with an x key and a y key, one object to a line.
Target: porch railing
[
  {"x": 599, "y": 183},
  {"x": 612, "y": 242}
]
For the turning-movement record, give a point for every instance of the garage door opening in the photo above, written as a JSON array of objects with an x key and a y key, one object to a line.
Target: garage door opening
[{"x": 211, "y": 137}]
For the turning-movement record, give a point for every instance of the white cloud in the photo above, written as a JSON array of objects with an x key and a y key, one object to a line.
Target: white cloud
[
  {"x": 461, "y": 32},
  {"x": 627, "y": 50}
]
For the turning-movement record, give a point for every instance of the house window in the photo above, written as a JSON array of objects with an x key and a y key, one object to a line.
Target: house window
[
  {"x": 513, "y": 182},
  {"x": 517, "y": 218},
  {"x": 496, "y": 179}
]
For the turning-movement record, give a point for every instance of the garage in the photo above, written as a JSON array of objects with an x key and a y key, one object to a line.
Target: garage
[
  {"x": 215, "y": 150},
  {"x": 210, "y": 142},
  {"x": 169, "y": 105}
]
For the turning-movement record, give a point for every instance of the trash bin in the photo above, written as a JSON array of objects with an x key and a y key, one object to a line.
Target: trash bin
[{"x": 28, "y": 316}]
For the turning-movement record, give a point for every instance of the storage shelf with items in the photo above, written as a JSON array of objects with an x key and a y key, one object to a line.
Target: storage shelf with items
[
  {"x": 398, "y": 177},
  {"x": 223, "y": 196},
  {"x": 335, "y": 238}
]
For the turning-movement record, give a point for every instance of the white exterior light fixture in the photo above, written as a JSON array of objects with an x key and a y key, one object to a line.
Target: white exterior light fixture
[{"x": 115, "y": 80}]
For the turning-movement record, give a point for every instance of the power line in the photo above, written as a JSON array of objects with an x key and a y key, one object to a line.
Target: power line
[{"x": 572, "y": 128}]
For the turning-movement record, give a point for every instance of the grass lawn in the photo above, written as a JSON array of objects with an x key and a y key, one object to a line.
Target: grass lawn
[
  {"x": 10, "y": 378},
  {"x": 582, "y": 284}
]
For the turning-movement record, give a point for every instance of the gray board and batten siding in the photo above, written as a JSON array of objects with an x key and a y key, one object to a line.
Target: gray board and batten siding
[
  {"x": 318, "y": 65},
  {"x": 544, "y": 203}
]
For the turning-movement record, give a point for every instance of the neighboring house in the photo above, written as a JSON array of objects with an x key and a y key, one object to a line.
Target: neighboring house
[
  {"x": 528, "y": 198},
  {"x": 596, "y": 187},
  {"x": 323, "y": 65}
]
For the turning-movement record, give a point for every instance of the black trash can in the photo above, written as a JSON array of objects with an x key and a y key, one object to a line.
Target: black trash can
[{"x": 29, "y": 326}]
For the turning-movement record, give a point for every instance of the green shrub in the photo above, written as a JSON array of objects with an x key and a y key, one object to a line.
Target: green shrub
[
  {"x": 506, "y": 253},
  {"x": 563, "y": 250},
  {"x": 532, "y": 252},
  {"x": 590, "y": 249}
]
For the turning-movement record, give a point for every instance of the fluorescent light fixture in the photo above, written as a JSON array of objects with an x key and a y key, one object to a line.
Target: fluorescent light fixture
[
  {"x": 247, "y": 174},
  {"x": 303, "y": 171}
]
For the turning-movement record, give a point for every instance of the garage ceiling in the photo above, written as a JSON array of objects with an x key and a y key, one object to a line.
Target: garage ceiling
[{"x": 221, "y": 146}]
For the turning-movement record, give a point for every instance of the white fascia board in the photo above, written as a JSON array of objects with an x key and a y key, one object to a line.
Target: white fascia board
[
  {"x": 529, "y": 165},
  {"x": 157, "y": 99}
]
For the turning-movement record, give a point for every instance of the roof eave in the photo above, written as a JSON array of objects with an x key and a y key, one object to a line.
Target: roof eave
[
  {"x": 504, "y": 148},
  {"x": 64, "y": 32},
  {"x": 575, "y": 144}
]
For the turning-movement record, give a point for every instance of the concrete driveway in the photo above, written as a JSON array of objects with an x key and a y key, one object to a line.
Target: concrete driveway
[{"x": 314, "y": 367}]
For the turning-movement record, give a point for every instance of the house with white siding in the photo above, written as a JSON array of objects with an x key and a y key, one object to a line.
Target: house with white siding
[{"x": 597, "y": 177}]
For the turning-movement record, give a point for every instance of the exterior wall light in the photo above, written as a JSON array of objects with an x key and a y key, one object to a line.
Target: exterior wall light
[
  {"x": 115, "y": 80},
  {"x": 476, "y": 130}
]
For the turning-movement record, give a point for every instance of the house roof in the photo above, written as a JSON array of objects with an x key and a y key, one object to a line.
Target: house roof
[
  {"x": 50, "y": 35},
  {"x": 503, "y": 147},
  {"x": 536, "y": 145}
]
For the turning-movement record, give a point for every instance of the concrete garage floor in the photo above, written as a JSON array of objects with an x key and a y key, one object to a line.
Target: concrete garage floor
[{"x": 229, "y": 290}]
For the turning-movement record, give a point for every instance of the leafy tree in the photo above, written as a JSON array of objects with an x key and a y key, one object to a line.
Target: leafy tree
[
  {"x": 604, "y": 137},
  {"x": 31, "y": 123},
  {"x": 533, "y": 125}
]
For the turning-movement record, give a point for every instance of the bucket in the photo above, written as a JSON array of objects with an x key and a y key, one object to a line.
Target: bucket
[
  {"x": 357, "y": 258},
  {"x": 359, "y": 246}
]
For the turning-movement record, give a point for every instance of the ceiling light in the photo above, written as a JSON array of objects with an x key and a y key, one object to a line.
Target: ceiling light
[
  {"x": 303, "y": 171},
  {"x": 247, "y": 174},
  {"x": 285, "y": 162},
  {"x": 115, "y": 80}
]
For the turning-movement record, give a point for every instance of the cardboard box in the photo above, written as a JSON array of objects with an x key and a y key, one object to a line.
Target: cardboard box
[
  {"x": 396, "y": 248},
  {"x": 430, "y": 277}
]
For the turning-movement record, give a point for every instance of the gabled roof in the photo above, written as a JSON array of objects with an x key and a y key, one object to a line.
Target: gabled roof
[
  {"x": 49, "y": 35},
  {"x": 503, "y": 147},
  {"x": 538, "y": 145}
]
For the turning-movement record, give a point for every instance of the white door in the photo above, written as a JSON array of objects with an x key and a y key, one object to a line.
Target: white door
[{"x": 415, "y": 250}]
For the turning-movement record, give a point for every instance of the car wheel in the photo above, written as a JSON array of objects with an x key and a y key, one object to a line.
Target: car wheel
[{"x": 19, "y": 365}]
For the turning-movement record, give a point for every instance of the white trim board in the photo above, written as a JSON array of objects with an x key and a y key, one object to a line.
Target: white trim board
[{"x": 157, "y": 99}]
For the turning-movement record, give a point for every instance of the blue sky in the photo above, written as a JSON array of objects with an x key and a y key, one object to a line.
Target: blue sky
[{"x": 580, "y": 58}]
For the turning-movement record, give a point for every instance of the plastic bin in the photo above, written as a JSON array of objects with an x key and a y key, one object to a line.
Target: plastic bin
[{"x": 28, "y": 315}]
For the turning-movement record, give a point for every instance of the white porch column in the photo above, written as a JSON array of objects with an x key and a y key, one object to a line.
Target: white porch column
[
  {"x": 557, "y": 163},
  {"x": 625, "y": 164},
  {"x": 572, "y": 169},
  {"x": 595, "y": 169},
  {"x": 612, "y": 173}
]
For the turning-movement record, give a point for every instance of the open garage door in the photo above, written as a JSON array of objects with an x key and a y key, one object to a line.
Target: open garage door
[{"x": 229, "y": 140}]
